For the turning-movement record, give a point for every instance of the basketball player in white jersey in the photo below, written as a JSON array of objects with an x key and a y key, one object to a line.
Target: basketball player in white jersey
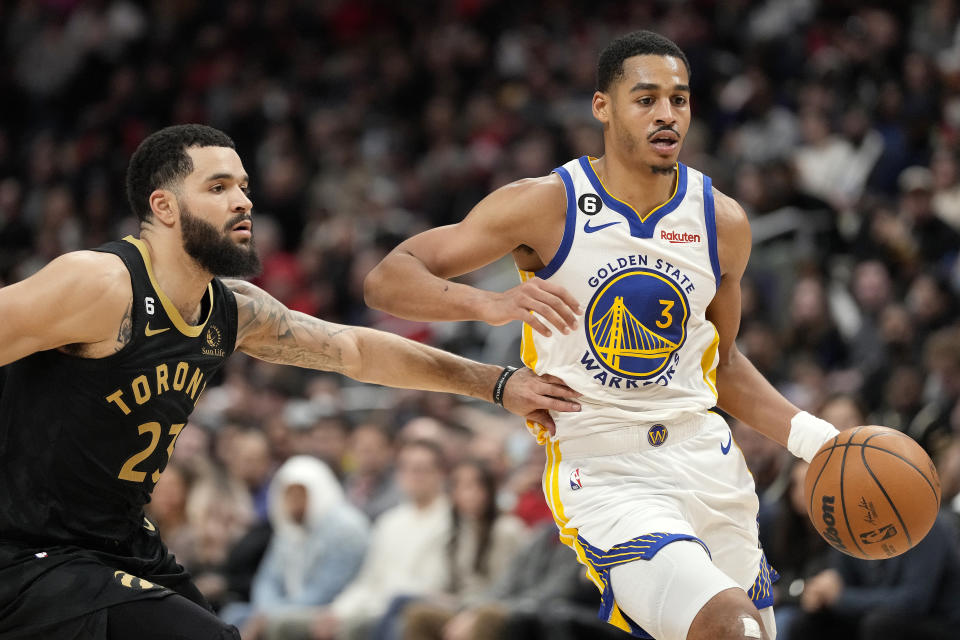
[{"x": 631, "y": 266}]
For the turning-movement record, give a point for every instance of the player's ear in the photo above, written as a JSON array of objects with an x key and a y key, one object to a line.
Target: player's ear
[
  {"x": 163, "y": 203},
  {"x": 601, "y": 106}
]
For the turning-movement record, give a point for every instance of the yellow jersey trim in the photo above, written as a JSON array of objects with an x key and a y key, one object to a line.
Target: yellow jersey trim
[
  {"x": 191, "y": 331},
  {"x": 528, "y": 351},
  {"x": 568, "y": 535},
  {"x": 643, "y": 218},
  {"x": 706, "y": 364}
]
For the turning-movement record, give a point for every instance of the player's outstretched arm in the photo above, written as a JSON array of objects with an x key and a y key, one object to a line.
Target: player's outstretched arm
[
  {"x": 742, "y": 390},
  {"x": 82, "y": 297},
  {"x": 270, "y": 331},
  {"x": 412, "y": 281}
]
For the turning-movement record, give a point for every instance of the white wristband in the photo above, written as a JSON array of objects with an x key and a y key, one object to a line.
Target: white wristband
[{"x": 807, "y": 435}]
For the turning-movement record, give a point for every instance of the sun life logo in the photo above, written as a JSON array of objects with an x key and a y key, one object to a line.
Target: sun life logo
[{"x": 212, "y": 341}]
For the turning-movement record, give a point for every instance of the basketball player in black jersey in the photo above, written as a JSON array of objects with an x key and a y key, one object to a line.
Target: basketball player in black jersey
[{"x": 110, "y": 351}]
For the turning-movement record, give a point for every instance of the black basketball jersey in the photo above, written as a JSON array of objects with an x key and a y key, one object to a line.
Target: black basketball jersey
[{"x": 82, "y": 440}]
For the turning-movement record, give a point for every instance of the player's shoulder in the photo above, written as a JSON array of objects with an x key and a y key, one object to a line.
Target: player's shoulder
[
  {"x": 730, "y": 216},
  {"x": 243, "y": 288},
  {"x": 539, "y": 192},
  {"x": 92, "y": 273}
]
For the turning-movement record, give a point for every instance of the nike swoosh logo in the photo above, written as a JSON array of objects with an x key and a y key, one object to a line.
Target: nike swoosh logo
[
  {"x": 152, "y": 332},
  {"x": 726, "y": 449},
  {"x": 589, "y": 229}
]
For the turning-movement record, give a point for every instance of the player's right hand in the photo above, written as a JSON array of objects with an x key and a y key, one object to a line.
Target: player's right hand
[{"x": 546, "y": 300}]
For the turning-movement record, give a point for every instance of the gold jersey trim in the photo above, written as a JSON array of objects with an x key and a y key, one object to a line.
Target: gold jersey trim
[{"x": 191, "y": 331}]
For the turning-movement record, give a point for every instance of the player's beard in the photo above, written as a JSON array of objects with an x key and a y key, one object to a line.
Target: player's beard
[
  {"x": 214, "y": 250},
  {"x": 631, "y": 144}
]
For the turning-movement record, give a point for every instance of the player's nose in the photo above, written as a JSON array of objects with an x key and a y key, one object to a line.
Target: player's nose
[
  {"x": 664, "y": 113},
  {"x": 242, "y": 203}
]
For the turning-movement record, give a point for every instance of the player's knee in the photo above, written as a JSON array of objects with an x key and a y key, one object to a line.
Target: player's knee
[{"x": 729, "y": 615}]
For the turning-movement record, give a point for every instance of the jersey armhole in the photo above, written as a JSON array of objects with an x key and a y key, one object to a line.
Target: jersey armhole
[
  {"x": 569, "y": 227},
  {"x": 233, "y": 315},
  {"x": 710, "y": 218},
  {"x": 136, "y": 331}
]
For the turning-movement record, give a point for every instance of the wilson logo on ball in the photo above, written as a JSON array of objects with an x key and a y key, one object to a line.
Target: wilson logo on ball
[{"x": 830, "y": 533}]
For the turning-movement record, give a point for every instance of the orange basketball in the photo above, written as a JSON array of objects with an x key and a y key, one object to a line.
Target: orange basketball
[{"x": 872, "y": 492}]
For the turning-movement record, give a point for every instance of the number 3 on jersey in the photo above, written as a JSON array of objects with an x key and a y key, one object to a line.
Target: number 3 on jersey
[{"x": 129, "y": 471}]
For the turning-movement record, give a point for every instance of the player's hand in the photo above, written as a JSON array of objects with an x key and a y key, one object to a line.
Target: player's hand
[
  {"x": 549, "y": 301},
  {"x": 532, "y": 396},
  {"x": 821, "y": 591}
]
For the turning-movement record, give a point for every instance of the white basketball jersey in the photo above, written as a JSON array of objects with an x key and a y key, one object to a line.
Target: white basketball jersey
[{"x": 643, "y": 351}]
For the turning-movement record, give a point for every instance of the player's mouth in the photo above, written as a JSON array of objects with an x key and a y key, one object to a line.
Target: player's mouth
[
  {"x": 665, "y": 141},
  {"x": 243, "y": 229}
]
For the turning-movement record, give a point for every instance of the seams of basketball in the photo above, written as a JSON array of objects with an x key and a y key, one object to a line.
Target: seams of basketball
[
  {"x": 843, "y": 498},
  {"x": 829, "y": 452},
  {"x": 896, "y": 512},
  {"x": 936, "y": 495}
]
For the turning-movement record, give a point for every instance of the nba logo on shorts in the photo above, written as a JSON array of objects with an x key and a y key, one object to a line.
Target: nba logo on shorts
[
  {"x": 575, "y": 481},
  {"x": 657, "y": 435}
]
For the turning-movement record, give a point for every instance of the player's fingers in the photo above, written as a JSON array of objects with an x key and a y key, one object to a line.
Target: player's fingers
[
  {"x": 561, "y": 293},
  {"x": 557, "y": 304},
  {"x": 543, "y": 418},
  {"x": 549, "y": 314},
  {"x": 562, "y": 391},
  {"x": 536, "y": 325},
  {"x": 557, "y": 404}
]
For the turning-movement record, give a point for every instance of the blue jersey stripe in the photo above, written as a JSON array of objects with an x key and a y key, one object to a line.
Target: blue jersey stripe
[
  {"x": 710, "y": 217},
  {"x": 570, "y": 227},
  {"x": 640, "y": 226}
]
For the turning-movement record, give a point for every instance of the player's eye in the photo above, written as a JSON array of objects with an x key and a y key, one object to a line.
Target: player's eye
[
  {"x": 646, "y": 100},
  {"x": 680, "y": 100},
  {"x": 217, "y": 188}
]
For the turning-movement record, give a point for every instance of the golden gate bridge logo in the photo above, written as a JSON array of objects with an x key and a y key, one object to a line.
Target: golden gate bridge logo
[{"x": 636, "y": 321}]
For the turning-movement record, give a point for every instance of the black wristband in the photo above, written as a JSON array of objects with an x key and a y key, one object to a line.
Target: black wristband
[{"x": 502, "y": 384}]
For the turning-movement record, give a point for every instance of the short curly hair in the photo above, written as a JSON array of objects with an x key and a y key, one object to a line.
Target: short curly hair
[
  {"x": 162, "y": 159},
  {"x": 638, "y": 43}
]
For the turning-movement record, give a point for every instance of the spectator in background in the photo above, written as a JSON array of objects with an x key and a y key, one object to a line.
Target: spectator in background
[
  {"x": 482, "y": 546},
  {"x": 405, "y": 556},
  {"x": 220, "y": 511},
  {"x": 845, "y": 410},
  {"x": 251, "y": 463},
  {"x": 811, "y": 330},
  {"x": 936, "y": 241},
  {"x": 168, "y": 511},
  {"x": 765, "y": 458},
  {"x": 370, "y": 486},
  {"x": 793, "y": 547},
  {"x": 543, "y": 595},
  {"x": 912, "y": 596},
  {"x": 931, "y": 426},
  {"x": 318, "y": 544}
]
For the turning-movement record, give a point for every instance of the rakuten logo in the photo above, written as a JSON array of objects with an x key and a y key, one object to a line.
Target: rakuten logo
[{"x": 679, "y": 238}]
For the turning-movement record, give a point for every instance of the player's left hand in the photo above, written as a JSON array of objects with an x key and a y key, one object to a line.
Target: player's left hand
[{"x": 533, "y": 396}]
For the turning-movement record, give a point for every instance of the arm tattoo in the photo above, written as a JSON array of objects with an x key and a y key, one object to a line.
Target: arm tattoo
[
  {"x": 126, "y": 328},
  {"x": 270, "y": 331}
]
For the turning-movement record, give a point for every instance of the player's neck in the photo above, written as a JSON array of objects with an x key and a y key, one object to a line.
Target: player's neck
[
  {"x": 639, "y": 186},
  {"x": 178, "y": 275}
]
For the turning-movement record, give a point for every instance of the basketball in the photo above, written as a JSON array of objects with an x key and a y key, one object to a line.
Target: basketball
[{"x": 872, "y": 492}]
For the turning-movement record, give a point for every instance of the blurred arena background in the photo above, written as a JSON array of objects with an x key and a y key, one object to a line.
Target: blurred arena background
[{"x": 835, "y": 124}]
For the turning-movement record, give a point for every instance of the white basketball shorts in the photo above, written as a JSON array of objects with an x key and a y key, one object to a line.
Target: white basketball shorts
[{"x": 620, "y": 496}]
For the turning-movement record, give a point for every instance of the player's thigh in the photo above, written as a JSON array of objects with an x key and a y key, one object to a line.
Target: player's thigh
[
  {"x": 669, "y": 594},
  {"x": 161, "y": 619}
]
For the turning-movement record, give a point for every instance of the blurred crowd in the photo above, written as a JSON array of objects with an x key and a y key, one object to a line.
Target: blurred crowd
[{"x": 309, "y": 507}]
